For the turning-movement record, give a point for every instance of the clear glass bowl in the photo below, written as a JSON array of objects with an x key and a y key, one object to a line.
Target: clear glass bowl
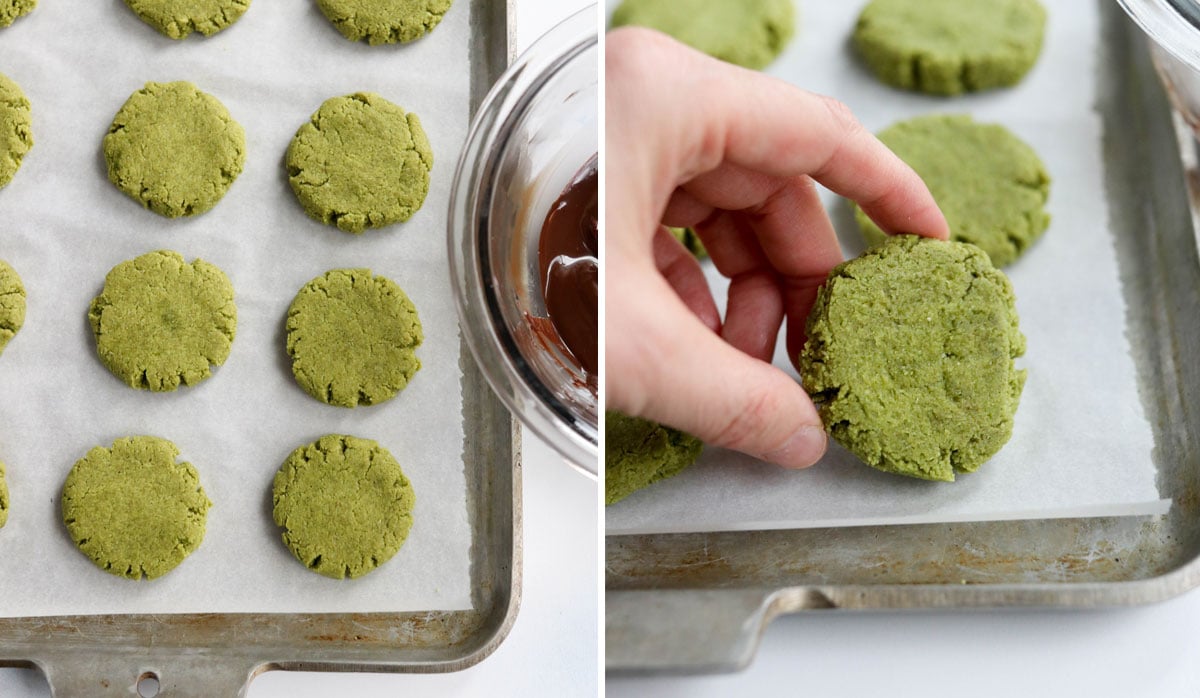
[
  {"x": 535, "y": 129},
  {"x": 1174, "y": 29}
]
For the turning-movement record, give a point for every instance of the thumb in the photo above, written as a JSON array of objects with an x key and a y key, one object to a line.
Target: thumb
[{"x": 663, "y": 364}]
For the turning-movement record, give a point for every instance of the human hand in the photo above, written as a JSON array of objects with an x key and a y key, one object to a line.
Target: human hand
[{"x": 734, "y": 154}]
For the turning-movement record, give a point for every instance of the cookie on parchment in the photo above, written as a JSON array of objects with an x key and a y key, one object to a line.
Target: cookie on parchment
[
  {"x": 910, "y": 357},
  {"x": 384, "y": 21},
  {"x": 16, "y": 128},
  {"x": 749, "y": 33},
  {"x": 179, "y": 18},
  {"x": 174, "y": 149},
  {"x": 133, "y": 509},
  {"x": 161, "y": 322},
  {"x": 344, "y": 505}
]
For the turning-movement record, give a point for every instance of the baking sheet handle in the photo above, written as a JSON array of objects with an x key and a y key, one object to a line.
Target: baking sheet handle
[
  {"x": 81, "y": 674},
  {"x": 687, "y": 630}
]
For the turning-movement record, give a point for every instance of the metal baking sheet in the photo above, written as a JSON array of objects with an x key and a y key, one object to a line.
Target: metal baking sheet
[
  {"x": 205, "y": 652},
  {"x": 699, "y": 601}
]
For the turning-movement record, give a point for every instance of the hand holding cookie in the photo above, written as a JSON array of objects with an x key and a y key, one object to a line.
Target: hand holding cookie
[{"x": 734, "y": 155}]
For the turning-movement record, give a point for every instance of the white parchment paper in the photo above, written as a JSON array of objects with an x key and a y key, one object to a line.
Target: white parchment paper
[
  {"x": 64, "y": 226},
  {"x": 1081, "y": 444}
]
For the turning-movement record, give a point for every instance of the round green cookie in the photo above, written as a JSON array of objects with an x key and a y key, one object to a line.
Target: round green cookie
[
  {"x": 179, "y": 18},
  {"x": 360, "y": 162},
  {"x": 353, "y": 337},
  {"x": 639, "y": 453},
  {"x": 344, "y": 505},
  {"x": 384, "y": 21},
  {"x": 133, "y": 509},
  {"x": 10, "y": 10},
  {"x": 990, "y": 185},
  {"x": 174, "y": 149},
  {"x": 947, "y": 47},
  {"x": 12, "y": 304},
  {"x": 160, "y": 321},
  {"x": 909, "y": 357},
  {"x": 3, "y": 497},
  {"x": 16, "y": 128},
  {"x": 749, "y": 33}
]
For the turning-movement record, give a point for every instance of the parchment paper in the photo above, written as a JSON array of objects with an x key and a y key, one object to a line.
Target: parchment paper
[
  {"x": 64, "y": 226},
  {"x": 1081, "y": 444}
]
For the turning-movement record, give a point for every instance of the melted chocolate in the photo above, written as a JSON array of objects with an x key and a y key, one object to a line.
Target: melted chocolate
[{"x": 568, "y": 256}]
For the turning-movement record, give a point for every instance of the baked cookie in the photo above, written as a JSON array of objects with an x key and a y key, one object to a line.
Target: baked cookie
[
  {"x": 749, "y": 33},
  {"x": 639, "y": 453},
  {"x": 353, "y": 337},
  {"x": 909, "y": 357},
  {"x": 160, "y": 322},
  {"x": 174, "y": 149},
  {"x": 179, "y": 18},
  {"x": 10, "y": 10},
  {"x": 384, "y": 21},
  {"x": 133, "y": 509},
  {"x": 344, "y": 505},
  {"x": 947, "y": 47},
  {"x": 360, "y": 162},
  {"x": 16, "y": 128},
  {"x": 3, "y": 497},
  {"x": 690, "y": 240},
  {"x": 12, "y": 304},
  {"x": 990, "y": 185}
]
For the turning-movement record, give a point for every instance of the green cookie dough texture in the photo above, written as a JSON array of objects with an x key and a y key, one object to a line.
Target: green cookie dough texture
[
  {"x": 174, "y": 149},
  {"x": 360, "y": 162},
  {"x": 384, "y": 21},
  {"x": 133, "y": 509},
  {"x": 344, "y": 505},
  {"x": 179, "y": 18},
  {"x": 909, "y": 357},
  {"x": 639, "y": 453},
  {"x": 353, "y": 337},
  {"x": 10, "y": 10},
  {"x": 16, "y": 123},
  {"x": 948, "y": 47},
  {"x": 749, "y": 33},
  {"x": 12, "y": 304},
  {"x": 161, "y": 322},
  {"x": 990, "y": 185},
  {"x": 690, "y": 240},
  {"x": 3, "y": 497}
]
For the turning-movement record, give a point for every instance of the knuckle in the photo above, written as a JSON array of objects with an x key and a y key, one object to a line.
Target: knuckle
[
  {"x": 842, "y": 116},
  {"x": 748, "y": 425}
]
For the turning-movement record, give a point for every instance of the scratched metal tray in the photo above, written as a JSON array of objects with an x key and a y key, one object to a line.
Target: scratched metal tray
[
  {"x": 218, "y": 654},
  {"x": 699, "y": 602}
]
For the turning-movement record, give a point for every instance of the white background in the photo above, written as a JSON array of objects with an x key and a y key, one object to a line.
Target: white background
[{"x": 552, "y": 649}]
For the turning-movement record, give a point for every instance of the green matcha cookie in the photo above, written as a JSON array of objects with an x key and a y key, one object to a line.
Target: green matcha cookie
[
  {"x": 689, "y": 239},
  {"x": 353, "y": 337},
  {"x": 179, "y": 18},
  {"x": 947, "y": 47},
  {"x": 384, "y": 21},
  {"x": 16, "y": 125},
  {"x": 160, "y": 321},
  {"x": 638, "y": 453},
  {"x": 12, "y": 304},
  {"x": 344, "y": 505},
  {"x": 989, "y": 184},
  {"x": 360, "y": 163},
  {"x": 10, "y": 10},
  {"x": 133, "y": 509},
  {"x": 909, "y": 357},
  {"x": 749, "y": 33},
  {"x": 3, "y": 497},
  {"x": 174, "y": 149}
]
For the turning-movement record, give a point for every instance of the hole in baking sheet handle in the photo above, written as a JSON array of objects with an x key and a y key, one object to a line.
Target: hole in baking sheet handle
[{"x": 148, "y": 685}]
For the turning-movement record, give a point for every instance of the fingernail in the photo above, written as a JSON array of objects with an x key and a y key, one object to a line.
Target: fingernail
[{"x": 804, "y": 448}]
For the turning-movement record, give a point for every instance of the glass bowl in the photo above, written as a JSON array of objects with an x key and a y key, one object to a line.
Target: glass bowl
[
  {"x": 1174, "y": 30},
  {"x": 536, "y": 128}
]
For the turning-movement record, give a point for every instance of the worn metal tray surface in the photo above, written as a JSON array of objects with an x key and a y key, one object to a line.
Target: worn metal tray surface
[
  {"x": 699, "y": 602},
  {"x": 217, "y": 654}
]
